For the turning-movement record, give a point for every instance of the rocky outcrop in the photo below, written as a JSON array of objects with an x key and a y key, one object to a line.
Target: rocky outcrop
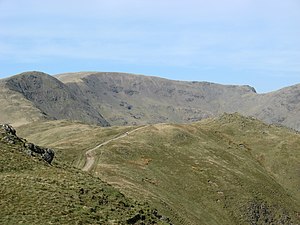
[
  {"x": 9, "y": 129},
  {"x": 46, "y": 153},
  {"x": 8, "y": 135},
  {"x": 262, "y": 213},
  {"x": 140, "y": 218}
]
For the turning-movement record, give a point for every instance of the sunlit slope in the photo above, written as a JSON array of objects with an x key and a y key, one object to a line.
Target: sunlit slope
[
  {"x": 34, "y": 192},
  {"x": 228, "y": 170},
  {"x": 277, "y": 149},
  {"x": 16, "y": 109},
  {"x": 207, "y": 174},
  {"x": 70, "y": 139}
]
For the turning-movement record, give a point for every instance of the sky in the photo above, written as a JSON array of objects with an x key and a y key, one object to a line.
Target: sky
[{"x": 252, "y": 42}]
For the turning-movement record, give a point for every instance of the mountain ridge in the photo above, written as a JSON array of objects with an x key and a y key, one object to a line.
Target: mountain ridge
[
  {"x": 213, "y": 101},
  {"x": 203, "y": 157},
  {"x": 229, "y": 169},
  {"x": 130, "y": 99}
]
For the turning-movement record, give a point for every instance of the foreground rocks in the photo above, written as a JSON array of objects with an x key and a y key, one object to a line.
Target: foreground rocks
[{"x": 8, "y": 135}]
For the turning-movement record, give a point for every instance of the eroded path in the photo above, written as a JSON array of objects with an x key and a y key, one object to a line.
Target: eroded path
[{"x": 90, "y": 156}]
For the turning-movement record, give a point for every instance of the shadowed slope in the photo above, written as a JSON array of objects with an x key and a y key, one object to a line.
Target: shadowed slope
[{"x": 53, "y": 98}]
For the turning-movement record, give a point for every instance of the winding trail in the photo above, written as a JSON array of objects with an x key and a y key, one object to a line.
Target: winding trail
[{"x": 90, "y": 157}]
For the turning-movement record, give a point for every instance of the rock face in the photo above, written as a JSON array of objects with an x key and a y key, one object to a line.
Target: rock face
[
  {"x": 136, "y": 99},
  {"x": 8, "y": 135},
  {"x": 9, "y": 129},
  {"x": 127, "y": 99},
  {"x": 262, "y": 213},
  {"x": 54, "y": 99},
  {"x": 46, "y": 153}
]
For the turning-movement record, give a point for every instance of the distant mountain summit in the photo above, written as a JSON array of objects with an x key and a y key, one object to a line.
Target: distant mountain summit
[
  {"x": 52, "y": 98},
  {"x": 136, "y": 99},
  {"x": 126, "y": 99}
]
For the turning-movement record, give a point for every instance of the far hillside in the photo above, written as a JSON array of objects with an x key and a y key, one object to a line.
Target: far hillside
[
  {"x": 225, "y": 170},
  {"x": 119, "y": 99}
]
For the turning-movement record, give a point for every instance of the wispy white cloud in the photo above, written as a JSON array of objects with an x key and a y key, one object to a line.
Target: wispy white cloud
[{"x": 242, "y": 35}]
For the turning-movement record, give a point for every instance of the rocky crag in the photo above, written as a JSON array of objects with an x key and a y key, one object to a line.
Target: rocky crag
[{"x": 8, "y": 135}]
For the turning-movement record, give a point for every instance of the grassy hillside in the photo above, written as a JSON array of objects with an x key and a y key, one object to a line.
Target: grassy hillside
[
  {"x": 34, "y": 192},
  {"x": 16, "y": 109},
  {"x": 70, "y": 139},
  {"x": 279, "y": 107},
  {"x": 227, "y": 170}
]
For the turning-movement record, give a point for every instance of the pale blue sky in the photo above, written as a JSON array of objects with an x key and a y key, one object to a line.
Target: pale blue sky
[{"x": 255, "y": 42}]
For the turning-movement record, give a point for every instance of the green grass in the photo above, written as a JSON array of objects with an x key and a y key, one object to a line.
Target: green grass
[
  {"x": 34, "y": 192},
  {"x": 70, "y": 139},
  {"x": 227, "y": 170},
  {"x": 195, "y": 172}
]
